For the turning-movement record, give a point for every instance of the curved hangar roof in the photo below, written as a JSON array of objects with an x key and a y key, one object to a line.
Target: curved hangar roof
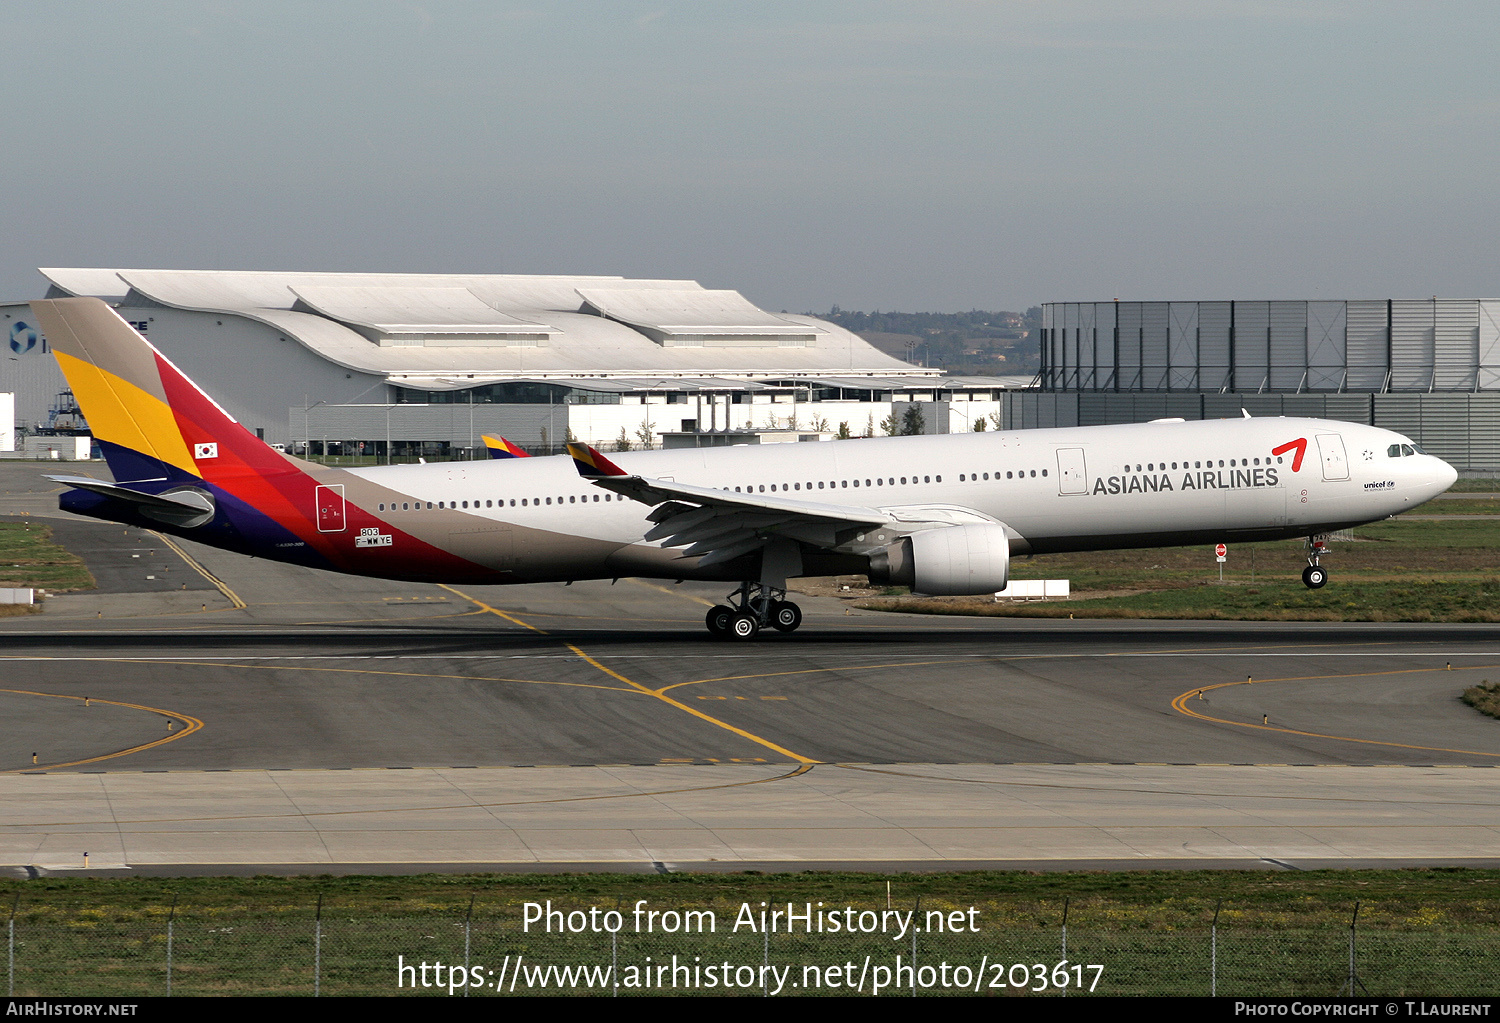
[{"x": 443, "y": 331}]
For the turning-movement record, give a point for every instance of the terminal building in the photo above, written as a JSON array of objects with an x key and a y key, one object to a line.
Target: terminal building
[
  {"x": 422, "y": 364},
  {"x": 1427, "y": 368}
]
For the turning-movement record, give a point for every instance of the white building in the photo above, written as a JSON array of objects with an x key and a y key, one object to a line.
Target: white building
[{"x": 370, "y": 363}]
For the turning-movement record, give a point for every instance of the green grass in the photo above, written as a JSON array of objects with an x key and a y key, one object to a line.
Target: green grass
[
  {"x": 1421, "y": 931},
  {"x": 1399, "y": 570},
  {"x": 28, "y": 557},
  {"x": 1484, "y": 698}
]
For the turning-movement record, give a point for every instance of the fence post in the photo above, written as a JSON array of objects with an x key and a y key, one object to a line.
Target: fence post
[
  {"x": 11, "y": 945},
  {"x": 916, "y": 914},
  {"x": 765, "y": 962},
  {"x": 1353, "y": 973},
  {"x": 171, "y": 919},
  {"x": 467, "y": 921},
  {"x": 1213, "y": 954},
  {"x": 1066, "y": 902},
  {"x": 318, "y": 949}
]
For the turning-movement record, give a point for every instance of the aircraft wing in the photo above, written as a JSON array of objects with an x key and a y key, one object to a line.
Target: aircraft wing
[{"x": 720, "y": 525}]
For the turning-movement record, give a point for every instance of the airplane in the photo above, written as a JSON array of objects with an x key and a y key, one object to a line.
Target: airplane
[{"x": 941, "y": 514}]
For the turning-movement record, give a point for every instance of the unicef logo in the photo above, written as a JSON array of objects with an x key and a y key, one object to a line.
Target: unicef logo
[{"x": 22, "y": 337}]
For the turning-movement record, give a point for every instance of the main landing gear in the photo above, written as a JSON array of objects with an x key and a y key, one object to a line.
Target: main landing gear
[
  {"x": 752, "y": 607},
  {"x": 1315, "y": 576}
]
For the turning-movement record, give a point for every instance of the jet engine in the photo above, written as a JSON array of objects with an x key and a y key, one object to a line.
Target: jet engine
[{"x": 948, "y": 561}]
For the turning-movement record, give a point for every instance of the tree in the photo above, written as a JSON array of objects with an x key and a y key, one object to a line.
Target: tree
[
  {"x": 622, "y": 442},
  {"x": 979, "y": 425},
  {"x": 870, "y": 425},
  {"x": 646, "y": 434},
  {"x": 844, "y": 433},
  {"x": 913, "y": 422},
  {"x": 890, "y": 425}
]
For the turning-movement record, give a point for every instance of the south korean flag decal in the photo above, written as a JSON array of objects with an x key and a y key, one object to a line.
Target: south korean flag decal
[{"x": 202, "y": 451}]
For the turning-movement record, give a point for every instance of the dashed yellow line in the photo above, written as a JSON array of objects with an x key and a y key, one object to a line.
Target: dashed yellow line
[
  {"x": 660, "y": 694},
  {"x": 192, "y": 723},
  {"x": 1180, "y": 704},
  {"x": 219, "y": 584}
]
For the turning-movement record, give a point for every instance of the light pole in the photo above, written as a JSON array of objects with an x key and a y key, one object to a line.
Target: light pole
[{"x": 307, "y": 430}]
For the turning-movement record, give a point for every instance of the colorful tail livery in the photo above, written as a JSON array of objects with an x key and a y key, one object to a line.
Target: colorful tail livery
[
  {"x": 499, "y": 447},
  {"x": 181, "y": 462},
  {"x": 590, "y": 463}
]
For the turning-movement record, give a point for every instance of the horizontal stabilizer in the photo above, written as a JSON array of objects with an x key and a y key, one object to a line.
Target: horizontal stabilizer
[{"x": 184, "y": 506}]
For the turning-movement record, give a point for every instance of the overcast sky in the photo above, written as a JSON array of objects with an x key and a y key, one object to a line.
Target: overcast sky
[{"x": 890, "y": 155}]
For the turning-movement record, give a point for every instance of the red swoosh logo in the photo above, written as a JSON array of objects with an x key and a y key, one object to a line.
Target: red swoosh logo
[{"x": 1300, "y": 444}]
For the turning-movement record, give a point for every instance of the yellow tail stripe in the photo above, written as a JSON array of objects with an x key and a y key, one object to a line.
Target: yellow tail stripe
[{"x": 119, "y": 412}]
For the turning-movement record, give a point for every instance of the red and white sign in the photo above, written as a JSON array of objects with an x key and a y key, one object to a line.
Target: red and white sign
[{"x": 1221, "y": 550}]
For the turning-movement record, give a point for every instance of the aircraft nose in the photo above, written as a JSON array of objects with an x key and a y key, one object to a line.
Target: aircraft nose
[{"x": 1446, "y": 475}]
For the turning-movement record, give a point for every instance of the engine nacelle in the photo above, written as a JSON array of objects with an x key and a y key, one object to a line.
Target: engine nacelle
[{"x": 948, "y": 561}]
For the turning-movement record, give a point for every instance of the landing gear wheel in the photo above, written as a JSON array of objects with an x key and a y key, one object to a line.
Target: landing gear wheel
[
  {"x": 785, "y": 616},
  {"x": 1314, "y": 577},
  {"x": 744, "y": 626},
  {"x": 719, "y": 618}
]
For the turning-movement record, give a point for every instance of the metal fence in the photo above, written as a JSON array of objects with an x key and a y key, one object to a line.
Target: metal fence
[{"x": 484, "y": 951}]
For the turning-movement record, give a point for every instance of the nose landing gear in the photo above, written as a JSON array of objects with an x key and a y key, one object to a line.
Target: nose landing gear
[{"x": 1315, "y": 576}]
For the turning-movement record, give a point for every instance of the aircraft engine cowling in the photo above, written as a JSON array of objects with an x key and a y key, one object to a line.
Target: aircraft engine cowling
[{"x": 948, "y": 561}]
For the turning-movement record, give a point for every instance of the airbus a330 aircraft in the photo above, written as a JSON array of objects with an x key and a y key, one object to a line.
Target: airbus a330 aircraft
[{"x": 941, "y": 514}]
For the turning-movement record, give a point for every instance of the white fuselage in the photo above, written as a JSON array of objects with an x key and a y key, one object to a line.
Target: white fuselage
[{"x": 1084, "y": 488}]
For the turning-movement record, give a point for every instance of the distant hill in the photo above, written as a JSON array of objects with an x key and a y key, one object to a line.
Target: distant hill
[{"x": 971, "y": 343}]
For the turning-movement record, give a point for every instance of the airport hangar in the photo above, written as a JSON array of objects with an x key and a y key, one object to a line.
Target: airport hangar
[
  {"x": 1426, "y": 368},
  {"x": 425, "y": 364}
]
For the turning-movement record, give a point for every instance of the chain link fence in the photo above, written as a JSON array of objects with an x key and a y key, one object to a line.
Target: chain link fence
[{"x": 808, "y": 949}]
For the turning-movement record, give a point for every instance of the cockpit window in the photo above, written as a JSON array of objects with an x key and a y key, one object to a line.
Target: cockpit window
[
  {"x": 1394, "y": 451},
  {"x": 1407, "y": 449}
]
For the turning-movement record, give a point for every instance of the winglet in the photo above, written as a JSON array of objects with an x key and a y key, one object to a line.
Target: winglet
[
  {"x": 591, "y": 464},
  {"x": 499, "y": 447}
]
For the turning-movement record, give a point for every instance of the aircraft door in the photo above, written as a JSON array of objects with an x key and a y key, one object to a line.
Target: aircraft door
[
  {"x": 1072, "y": 473},
  {"x": 330, "y": 503},
  {"x": 1335, "y": 461}
]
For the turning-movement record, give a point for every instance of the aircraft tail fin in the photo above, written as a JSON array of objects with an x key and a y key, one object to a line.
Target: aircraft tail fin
[
  {"x": 150, "y": 420},
  {"x": 499, "y": 447},
  {"x": 591, "y": 464}
]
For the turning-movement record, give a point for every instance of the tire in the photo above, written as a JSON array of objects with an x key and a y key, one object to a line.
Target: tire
[
  {"x": 719, "y": 618},
  {"x": 1314, "y": 577},
  {"x": 785, "y": 616},
  {"x": 743, "y": 626}
]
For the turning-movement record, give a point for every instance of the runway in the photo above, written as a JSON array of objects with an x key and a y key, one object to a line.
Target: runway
[{"x": 265, "y": 716}]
